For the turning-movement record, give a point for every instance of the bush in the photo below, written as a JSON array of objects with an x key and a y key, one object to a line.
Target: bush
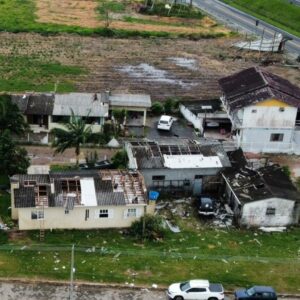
[
  {"x": 157, "y": 108},
  {"x": 120, "y": 160},
  {"x": 154, "y": 228}
]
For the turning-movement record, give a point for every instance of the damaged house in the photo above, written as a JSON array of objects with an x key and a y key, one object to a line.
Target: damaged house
[
  {"x": 265, "y": 197},
  {"x": 79, "y": 199},
  {"x": 264, "y": 110},
  {"x": 188, "y": 167}
]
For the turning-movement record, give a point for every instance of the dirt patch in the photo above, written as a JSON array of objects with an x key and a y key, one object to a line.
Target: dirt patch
[
  {"x": 68, "y": 12},
  {"x": 160, "y": 67}
]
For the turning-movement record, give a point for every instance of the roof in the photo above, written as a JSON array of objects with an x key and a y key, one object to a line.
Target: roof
[
  {"x": 165, "y": 118},
  {"x": 130, "y": 100},
  {"x": 34, "y": 104},
  {"x": 151, "y": 155},
  {"x": 267, "y": 182},
  {"x": 254, "y": 85},
  {"x": 199, "y": 282},
  {"x": 261, "y": 288},
  {"x": 82, "y": 104},
  {"x": 80, "y": 188}
]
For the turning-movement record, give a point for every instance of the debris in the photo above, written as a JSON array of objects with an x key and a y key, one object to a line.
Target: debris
[
  {"x": 154, "y": 286},
  {"x": 225, "y": 261},
  {"x": 172, "y": 227},
  {"x": 272, "y": 229},
  {"x": 257, "y": 241}
]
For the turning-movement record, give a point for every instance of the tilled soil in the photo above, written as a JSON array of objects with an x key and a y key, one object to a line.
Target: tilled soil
[{"x": 180, "y": 68}]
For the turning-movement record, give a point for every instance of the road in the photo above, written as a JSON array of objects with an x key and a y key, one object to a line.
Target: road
[
  {"x": 242, "y": 21},
  {"x": 43, "y": 291}
]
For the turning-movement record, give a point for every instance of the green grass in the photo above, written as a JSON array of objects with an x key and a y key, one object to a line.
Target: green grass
[
  {"x": 23, "y": 73},
  {"x": 235, "y": 257},
  {"x": 19, "y": 16},
  {"x": 280, "y": 13},
  {"x": 111, "y": 7}
]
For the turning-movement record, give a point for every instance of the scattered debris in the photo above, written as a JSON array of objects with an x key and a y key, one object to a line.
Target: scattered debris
[
  {"x": 272, "y": 229},
  {"x": 155, "y": 286},
  {"x": 188, "y": 63},
  {"x": 172, "y": 227}
]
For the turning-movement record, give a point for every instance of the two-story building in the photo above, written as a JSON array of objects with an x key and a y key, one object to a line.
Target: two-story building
[{"x": 264, "y": 111}]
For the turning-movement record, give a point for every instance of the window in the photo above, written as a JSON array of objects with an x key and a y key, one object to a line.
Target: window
[
  {"x": 254, "y": 111},
  {"x": 281, "y": 109},
  {"x": 37, "y": 215},
  {"x": 197, "y": 290},
  {"x": 276, "y": 137},
  {"x": 198, "y": 176},
  {"x": 158, "y": 177},
  {"x": 87, "y": 214},
  {"x": 29, "y": 182},
  {"x": 103, "y": 213},
  {"x": 131, "y": 212},
  {"x": 66, "y": 211},
  {"x": 270, "y": 211}
]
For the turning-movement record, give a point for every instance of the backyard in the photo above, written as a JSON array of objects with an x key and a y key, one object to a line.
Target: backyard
[{"x": 231, "y": 256}]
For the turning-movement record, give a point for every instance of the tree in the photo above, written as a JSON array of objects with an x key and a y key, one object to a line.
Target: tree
[
  {"x": 120, "y": 159},
  {"x": 76, "y": 134},
  {"x": 14, "y": 159},
  {"x": 157, "y": 108},
  {"x": 11, "y": 117}
]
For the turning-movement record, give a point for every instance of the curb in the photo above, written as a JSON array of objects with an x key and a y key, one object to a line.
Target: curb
[{"x": 93, "y": 285}]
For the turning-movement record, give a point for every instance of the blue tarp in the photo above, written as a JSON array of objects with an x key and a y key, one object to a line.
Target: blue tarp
[{"x": 153, "y": 195}]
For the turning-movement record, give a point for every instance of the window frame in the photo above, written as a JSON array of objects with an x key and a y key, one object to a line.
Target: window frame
[
  {"x": 158, "y": 177},
  {"x": 39, "y": 214},
  {"x": 103, "y": 213},
  {"x": 271, "y": 211},
  {"x": 276, "y": 137},
  {"x": 131, "y": 213}
]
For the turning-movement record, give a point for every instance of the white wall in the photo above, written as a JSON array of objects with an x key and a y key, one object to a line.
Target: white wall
[
  {"x": 192, "y": 118},
  {"x": 55, "y": 217},
  {"x": 254, "y": 213},
  {"x": 269, "y": 117}
]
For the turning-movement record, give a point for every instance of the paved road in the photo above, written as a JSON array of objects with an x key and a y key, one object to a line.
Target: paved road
[{"x": 240, "y": 20}]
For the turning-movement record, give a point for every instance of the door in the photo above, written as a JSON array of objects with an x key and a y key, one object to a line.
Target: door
[{"x": 196, "y": 294}]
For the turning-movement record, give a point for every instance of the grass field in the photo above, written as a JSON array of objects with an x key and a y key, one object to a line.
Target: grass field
[
  {"x": 233, "y": 257},
  {"x": 52, "y": 17},
  {"x": 280, "y": 13}
]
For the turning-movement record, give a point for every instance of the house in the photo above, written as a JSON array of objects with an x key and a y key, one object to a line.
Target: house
[
  {"x": 79, "y": 199},
  {"x": 265, "y": 197},
  {"x": 136, "y": 106},
  {"x": 179, "y": 167},
  {"x": 264, "y": 111}
]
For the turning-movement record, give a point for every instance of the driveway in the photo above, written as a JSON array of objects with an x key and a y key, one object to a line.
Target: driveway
[{"x": 179, "y": 129}]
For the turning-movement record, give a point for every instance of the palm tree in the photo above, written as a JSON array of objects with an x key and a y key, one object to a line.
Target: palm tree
[{"x": 76, "y": 134}]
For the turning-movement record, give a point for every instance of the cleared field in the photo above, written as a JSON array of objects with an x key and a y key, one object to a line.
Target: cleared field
[
  {"x": 281, "y": 13},
  {"x": 161, "y": 67}
]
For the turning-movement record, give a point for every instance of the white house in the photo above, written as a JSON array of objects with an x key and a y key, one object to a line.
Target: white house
[
  {"x": 79, "y": 199},
  {"x": 264, "y": 111},
  {"x": 264, "y": 197}
]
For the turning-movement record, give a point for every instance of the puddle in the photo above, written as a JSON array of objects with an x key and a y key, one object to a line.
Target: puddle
[
  {"x": 188, "y": 63},
  {"x": 146, "y": 72}
]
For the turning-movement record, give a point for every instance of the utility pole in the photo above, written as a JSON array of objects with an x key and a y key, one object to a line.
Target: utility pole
[{"x": 71, "y": 274}]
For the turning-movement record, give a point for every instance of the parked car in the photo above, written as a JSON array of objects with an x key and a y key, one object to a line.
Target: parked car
[
  {"x": 206, "y": 206},
  {"x": 256, "y": 293},
  {"x": 165, "y": 123},
  {"x": 198, "y": 289},
  {"x": 99, "y": 165}
]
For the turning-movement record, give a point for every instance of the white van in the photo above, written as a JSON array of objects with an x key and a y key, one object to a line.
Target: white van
[{"x": 165, "y": 123}]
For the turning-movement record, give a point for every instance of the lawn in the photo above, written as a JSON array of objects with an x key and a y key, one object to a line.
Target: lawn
[
  {"x": 281, "y": 13},
  {"x": 233, "y": 257}
]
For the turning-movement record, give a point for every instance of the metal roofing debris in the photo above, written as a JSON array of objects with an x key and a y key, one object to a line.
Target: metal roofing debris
[
  {"x": 255, "y": 85},
  {"x": 80, "y": 188},
  {"x": 262, "y": 44},
  {"x": 151, "y": 155}
]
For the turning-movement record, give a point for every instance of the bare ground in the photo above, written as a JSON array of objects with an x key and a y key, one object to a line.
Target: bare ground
[{"x": 161, "y": 67}]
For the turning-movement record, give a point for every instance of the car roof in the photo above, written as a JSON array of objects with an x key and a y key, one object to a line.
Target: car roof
[
  {"x": 165, "y": 118},
  {"x": 261, "y": 288},
  {"x": 199, "y": 282}
]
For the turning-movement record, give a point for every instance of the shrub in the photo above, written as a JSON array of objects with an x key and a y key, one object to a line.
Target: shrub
[
  {"x": 120, "y": 159},
  {"x": 153, "y": 225},
  {"x": 157, "y": 108}
]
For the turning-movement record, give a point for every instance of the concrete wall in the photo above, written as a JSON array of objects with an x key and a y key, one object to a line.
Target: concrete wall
[
  {"x": 258, "y": 140},
  {"x": 56, "y": 218},
  {"x": 192, "y": 118},
  {"x": 256, "y": 116},
  {"x": 254, "y": 213}
]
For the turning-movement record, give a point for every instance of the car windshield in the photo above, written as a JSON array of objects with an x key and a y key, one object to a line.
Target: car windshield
[
  {"x": 163, "y": 122},
  {"x": 184, "y": 286},
  {"x": 250, "y": 291}
]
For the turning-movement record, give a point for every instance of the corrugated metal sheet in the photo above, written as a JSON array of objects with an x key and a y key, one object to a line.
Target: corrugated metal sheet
[
  {"x": 82, "y": 104},
  {"x": 130, "y": 100}
]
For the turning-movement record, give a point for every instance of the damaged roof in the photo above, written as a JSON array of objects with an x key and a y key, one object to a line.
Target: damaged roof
[
  {"x": 254, "y": 85},
  {"x": 80, "y": 188},
  {"x": 264, "y": 183},
  {"x": 130, "y": 100},
  {"x": 151, "y": 155}
]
